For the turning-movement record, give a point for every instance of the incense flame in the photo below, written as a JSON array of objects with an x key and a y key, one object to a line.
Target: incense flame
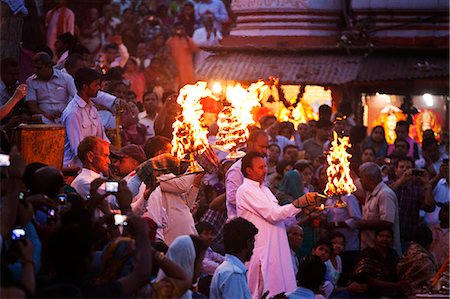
[
  {"x": 190, "y": 135},
  {"x": 234, "y": 119},
  {"x": 338, "y": 171}
]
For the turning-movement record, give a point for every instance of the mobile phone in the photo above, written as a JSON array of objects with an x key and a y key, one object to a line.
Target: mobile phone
[
  {"x": 387, "y": 160},
  {"x": 18, "y": 234},
  {"x": 4, "y": 160},
  {"x": 62, "y": 199},
  {"x": 112, "y": 187},
  {"x": 417, "y": 172},
  {"x": 445, "y": 161},
  {"x": 120, "y": 220},
  {"x": 51, "y": 213},
  {"x": 22, "y": 197}
]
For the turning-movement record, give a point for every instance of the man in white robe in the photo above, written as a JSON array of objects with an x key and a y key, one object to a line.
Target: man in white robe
[{"x": 270, "y": 268}]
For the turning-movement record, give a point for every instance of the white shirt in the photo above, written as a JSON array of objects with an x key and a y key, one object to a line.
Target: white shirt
[
  {"x": 211, "y": 261},
  {"x": 441, "y": 193},
  {"x": 171, "y": 203},
  {"x": 233, "y": 179},
  {"x": 200, "y": 38},
  {"x": 271, "y": 256},
  {"x": 80, "y": 120},
  {"x": 381, "y": 204},
  {"x": 82, "y": 184},
  {"x": 216, "y": 7},
  {"x": 148, "y": 123}
]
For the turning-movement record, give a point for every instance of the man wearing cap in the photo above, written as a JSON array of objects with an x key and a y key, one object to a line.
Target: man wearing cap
[{"x": 129, "y": 158}]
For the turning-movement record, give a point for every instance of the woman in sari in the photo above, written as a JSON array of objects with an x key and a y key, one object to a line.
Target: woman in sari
[{"x": 418, "y": 266}]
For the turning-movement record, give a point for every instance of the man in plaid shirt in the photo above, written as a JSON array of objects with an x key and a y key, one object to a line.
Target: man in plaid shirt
[{"x": 413, "y": 190}]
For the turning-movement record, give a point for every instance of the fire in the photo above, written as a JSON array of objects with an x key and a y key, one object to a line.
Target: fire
[
  {"x": 234, "y": 119},
  {"x": 338, "y": 171},
  {"x": 190, "y": 135}
]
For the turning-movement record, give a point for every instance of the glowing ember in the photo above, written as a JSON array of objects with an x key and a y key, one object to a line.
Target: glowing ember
[
  {"x": 338, "y": 171},
  {"x": 234, "y": 119},
  {"x": 190, "y": 135}
]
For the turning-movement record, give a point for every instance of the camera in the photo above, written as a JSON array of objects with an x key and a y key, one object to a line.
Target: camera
[
  {"x": 112, "y": 187},
  {"x": 18, "y": 234},
  {"x": 120, "y": 220},
  {"x": 62, "y": 199},
  {"x": 4, "y": 160},
  {"x": 417, "y": 172}
]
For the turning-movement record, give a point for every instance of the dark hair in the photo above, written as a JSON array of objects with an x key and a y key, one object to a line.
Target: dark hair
[
  {"x": 45, "y": 49},
  {"x": 154, "y": 145},
  {"x": 47, "y": 180},
  {"x": 281, "y": 166},
  {"x": 112, "y": 47},
  {"x": 67, "y": 38},
  {"x": 204, "y": 226},
  {"x": 337, "y": 234},
  {"x": 324, "y": 109},
  {"x": 274, "y": 144},
  {"x": 112, "y": 85},
  {"x": 78, "y": 49},
  {"x": 369, "y": 148},
  {"x": 72, "y": 59},
  {"x": 114, "y": 74},
  {"x": 199, "y": 247},
  {"x": 324, "y": 241},
  {"x": 43, "y": 57},
  {"x": 85, "y": 76},
  {"x": 236, "y": 234},
  {"x": 409, "y": 159},
  {"x": 401, "y": 140},
  {"x": 423, "y": 236},
  {"x": 311, "y": 273},
  {"x": 402, "y": 123},
  {"x": 148, "y": 92},
  {"x": 178, "y": 24},
  {"x": 384, "y": 228},
  {"x": 302, "y": 165},
  {"x": 289, "y": 146},
  {"x": 30, "y": 169},
  {"x": 247, "y": 161}
]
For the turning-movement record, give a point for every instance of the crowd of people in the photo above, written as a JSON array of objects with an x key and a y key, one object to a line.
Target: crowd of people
[{"x": 133, "y": 223}]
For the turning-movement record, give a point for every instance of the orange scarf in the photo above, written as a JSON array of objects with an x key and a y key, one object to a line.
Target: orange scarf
[{"x": 62, "y": 16}]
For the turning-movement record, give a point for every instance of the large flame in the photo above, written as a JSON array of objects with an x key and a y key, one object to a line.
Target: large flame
[
  {"x": 338, "y": 171},
  {"x": 234, "y": 119},
  {"x": 190, "y": 135}
]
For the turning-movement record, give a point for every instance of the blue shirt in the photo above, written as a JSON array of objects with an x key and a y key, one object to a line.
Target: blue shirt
[
  {"x": 80, "y": 120},
  {"x": 230, "y": 280},
  {"x": 301, "y": 293},
  {"x": 52, "y": 95}
]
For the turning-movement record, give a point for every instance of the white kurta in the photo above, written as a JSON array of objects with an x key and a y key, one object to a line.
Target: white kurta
[
  {"x": 177, "y": 198},
  {"x": 271, "y": 257}
]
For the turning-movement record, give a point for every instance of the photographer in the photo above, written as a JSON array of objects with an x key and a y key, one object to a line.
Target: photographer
[{"x": 413, "y": 190}]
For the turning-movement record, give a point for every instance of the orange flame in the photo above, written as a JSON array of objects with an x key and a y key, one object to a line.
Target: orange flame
[
  {"x": 338, "y": 171},
  {"x": 233, "y": 120},
  {"x": 190, "y": 135}
]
